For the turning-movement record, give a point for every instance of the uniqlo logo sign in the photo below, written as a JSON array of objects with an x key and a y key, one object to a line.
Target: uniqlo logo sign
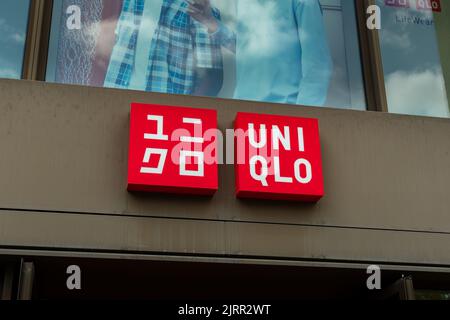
[
  {"x": 172, "y": 149},
  {"x": 434, "y": 5},
  {"x": 278, "y": 157},
  {"x": 397, "y": 3}
]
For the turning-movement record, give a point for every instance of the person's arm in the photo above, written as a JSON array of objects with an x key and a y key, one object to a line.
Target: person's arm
[
  {"x": 201, "y": 11},
  {"x": 225, "y": 37},
  {"x": 317, "y": 65}
]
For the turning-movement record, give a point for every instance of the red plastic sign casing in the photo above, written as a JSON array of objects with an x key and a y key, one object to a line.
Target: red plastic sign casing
[
  {"x": 172, "y": 150},
  {"x": 278, "y": 158}
]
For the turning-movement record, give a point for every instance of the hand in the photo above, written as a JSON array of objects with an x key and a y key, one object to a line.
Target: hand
[{"x": 201, "y": 11}]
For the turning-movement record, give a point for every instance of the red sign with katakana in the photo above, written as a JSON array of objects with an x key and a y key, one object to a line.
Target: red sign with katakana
[{"x": 172, "y": 149}]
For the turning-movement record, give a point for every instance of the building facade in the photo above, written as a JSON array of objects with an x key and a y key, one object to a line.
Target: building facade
[{"x": 385, "y": 155}]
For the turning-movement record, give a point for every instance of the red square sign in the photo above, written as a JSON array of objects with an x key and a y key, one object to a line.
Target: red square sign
[
  {"x": 278, "y": 158},
  {"x": 173, "y": 150}
]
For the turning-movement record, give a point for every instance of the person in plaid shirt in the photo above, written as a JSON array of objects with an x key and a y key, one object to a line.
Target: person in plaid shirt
[{"x": 182, "y": 57}]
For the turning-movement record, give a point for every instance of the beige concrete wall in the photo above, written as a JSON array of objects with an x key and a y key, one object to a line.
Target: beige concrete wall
[{"x": 63, "y": 164}]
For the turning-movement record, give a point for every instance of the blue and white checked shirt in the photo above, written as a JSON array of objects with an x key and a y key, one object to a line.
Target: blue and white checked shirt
[{"x": 179, "y": 46}]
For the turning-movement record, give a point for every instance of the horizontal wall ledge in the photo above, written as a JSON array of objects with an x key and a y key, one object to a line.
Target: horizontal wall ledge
[{"x": 47, "y": 231}]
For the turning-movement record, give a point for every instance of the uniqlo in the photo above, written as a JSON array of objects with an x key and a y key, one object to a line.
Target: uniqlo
[
  {"x": 172, "y": 149},
  {"x": 278, "y": 157},
  {"x": 434, "y": 5},
  {"x": 397, "y": 3}
]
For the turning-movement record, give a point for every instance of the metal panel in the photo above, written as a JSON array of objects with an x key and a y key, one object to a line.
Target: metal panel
[
  {"x": 235, "y": 240},
  {"x": 38, "y": 34},
  {"x": 64, "y": 150},
  {"x": 25, "y": 291},
  {"x": 59, "y": 230},
  {"x": 6, "y": 292}
]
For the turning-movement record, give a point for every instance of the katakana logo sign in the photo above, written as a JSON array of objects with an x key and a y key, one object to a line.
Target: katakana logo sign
[{"x": 172, "y": 149}]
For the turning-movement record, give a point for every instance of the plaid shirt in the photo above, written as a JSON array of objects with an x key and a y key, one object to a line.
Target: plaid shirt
[{"x": 179, "y": 46}]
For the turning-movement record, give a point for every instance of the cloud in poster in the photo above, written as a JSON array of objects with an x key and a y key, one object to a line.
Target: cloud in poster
[
  {"x": 418, "y": 93},
  {"x": 6, "y": 71},
  {"x": 400, "y": 26},
  {"x": 11, "y": 34},
  {"x": 258, "y": 33},
  {"x": 7, "y": 68},
  {"x": 399, "y": 40},
  {"x": 9, "y": 73}
]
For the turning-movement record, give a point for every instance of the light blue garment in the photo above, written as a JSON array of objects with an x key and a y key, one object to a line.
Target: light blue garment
[{"x": 282, "y": 53}]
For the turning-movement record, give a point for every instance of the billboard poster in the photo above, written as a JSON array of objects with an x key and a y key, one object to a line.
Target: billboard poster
[
  {"x": 294, "y": 51},
  {"x": 411, "y": 57}
]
